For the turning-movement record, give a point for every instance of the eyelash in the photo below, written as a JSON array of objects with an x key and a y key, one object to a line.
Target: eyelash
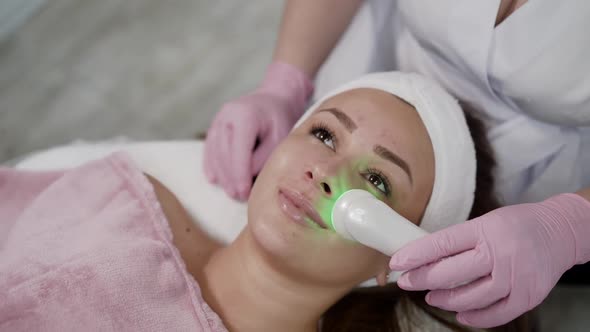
[
  {"x": 383, "y": 178},
  {"x": 322, "y": 127}
]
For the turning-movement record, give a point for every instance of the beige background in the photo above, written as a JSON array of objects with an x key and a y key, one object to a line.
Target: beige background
[{"x": 147, "y": 69}]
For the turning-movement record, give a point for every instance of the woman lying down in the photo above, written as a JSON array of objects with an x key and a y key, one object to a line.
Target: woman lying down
[{"x": 105, "y": 247}]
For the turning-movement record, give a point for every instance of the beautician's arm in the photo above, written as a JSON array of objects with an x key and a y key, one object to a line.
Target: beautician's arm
[
  {"x": 261, "y": 119},
  {"x": 310, "y": 29}
]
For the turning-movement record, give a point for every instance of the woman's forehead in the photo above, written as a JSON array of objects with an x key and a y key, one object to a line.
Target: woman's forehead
[
  {"x": 384, "y": 119},
  {"x": 374, "y": 107}
]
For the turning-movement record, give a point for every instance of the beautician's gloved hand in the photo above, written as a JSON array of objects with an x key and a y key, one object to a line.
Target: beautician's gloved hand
[
  {"x": 503, "y": 263},
  {"x": 246, "y": 130}
]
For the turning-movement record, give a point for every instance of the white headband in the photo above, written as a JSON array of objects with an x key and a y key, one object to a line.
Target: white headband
[{"x": 454, "y": 153}]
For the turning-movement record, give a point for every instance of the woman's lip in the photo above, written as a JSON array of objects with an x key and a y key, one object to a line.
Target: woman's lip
[{"x": 303, "y": 204}]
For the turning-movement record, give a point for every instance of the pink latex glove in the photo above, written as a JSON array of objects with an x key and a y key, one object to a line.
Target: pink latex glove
[
  {"x": 265, "y": 116},
  {"x": 500, "y": 265}
]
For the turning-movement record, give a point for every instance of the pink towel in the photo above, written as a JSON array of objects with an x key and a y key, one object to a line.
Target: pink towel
[{"x": 89, "y": 249}]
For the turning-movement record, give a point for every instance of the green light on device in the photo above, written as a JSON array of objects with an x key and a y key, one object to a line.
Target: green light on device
[
  {"x": 324, "y": 206},
  {"x": 338, "y": 186}
]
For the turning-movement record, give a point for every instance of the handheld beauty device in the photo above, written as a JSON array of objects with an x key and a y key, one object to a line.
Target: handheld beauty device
[{"x": 357, "y": 215}]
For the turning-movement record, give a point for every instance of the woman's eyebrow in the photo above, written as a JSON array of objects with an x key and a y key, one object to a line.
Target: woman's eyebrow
[
  {"x": 380, "y": 150},
  {"x": 386, "y": 154},
  {"x": 344, "y": 119}
]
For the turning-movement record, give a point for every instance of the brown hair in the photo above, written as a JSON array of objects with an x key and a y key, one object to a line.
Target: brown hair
[{"x": 376, "y": 309}]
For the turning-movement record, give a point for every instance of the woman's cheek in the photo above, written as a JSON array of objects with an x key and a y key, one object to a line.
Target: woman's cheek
[{"x": 299, "y": 151}]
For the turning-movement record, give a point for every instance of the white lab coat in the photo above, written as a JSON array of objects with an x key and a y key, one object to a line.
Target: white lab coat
[{"x": 529, "y": 77}]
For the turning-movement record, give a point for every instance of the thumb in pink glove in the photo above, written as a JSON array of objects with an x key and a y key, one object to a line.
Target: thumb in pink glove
[
  {"x": 246, "y": 130},
  {"x": 498, "y": 266}
]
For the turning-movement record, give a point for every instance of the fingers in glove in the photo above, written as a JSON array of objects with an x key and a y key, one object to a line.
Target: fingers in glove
[
  {"x": 211, "y": 151},
  {"x": 262, "y": 152},
  {"x": 241, "y": 152},
  {"x": 476, "y": 295},
  {"x": 431, "y": 248},
  {"x": 449, "y": 272},
  {"x": 224, "y": 161}
]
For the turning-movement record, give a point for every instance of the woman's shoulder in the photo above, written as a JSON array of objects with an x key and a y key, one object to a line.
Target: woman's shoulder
[{"x": 195, "y": 246}]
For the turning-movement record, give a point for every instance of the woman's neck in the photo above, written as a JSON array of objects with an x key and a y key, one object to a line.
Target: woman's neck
[
  {"x": 249, "y": 294},
  {"x": 239, "y": 283}
]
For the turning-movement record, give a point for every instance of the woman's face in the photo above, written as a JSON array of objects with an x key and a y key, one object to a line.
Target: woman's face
[{"x": 360, "y": 139}]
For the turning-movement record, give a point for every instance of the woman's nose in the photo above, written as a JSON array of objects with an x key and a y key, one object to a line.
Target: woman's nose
[{"x": 321, "y": 180}]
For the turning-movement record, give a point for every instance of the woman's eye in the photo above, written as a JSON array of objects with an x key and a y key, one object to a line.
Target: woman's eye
[
  {"x": 377, "y": 181},
  {"x": 325, "y": 137}
]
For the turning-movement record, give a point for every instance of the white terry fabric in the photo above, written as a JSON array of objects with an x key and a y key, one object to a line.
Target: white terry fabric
[{"x": 454, "y": 152}]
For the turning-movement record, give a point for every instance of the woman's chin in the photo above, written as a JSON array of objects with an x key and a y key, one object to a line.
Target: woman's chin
[
  {"x": 301, "y": 253},
  {"x": 275, "y": 240}
]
